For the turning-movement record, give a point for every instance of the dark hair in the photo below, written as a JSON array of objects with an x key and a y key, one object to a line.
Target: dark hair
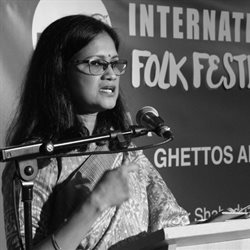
[{"x": 46, "y": 111}]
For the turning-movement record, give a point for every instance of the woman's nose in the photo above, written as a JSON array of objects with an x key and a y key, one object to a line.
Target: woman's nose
[{"x": 109, "y": 73}]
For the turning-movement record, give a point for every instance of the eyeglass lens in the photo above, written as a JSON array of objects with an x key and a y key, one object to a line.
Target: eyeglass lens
[{"x": 99, "y": 67}]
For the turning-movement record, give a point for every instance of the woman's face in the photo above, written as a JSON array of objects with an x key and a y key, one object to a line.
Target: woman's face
[{"x": 94, "y": 93}]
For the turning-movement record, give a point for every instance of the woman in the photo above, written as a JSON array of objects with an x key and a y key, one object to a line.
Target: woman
[{"x": 82, "y": 202}]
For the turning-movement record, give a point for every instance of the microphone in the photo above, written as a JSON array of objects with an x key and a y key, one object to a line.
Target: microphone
[{"x": 149, "y": 118}]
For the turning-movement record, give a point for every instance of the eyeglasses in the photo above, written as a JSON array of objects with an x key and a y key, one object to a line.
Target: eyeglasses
[{"x": 98, "y": 67}]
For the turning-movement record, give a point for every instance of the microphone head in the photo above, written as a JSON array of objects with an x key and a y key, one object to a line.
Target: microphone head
[
  {"x": 149, "y": 118},
  {"x": 140, "y": 116}
]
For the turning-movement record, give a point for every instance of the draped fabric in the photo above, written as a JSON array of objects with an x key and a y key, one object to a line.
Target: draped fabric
[{"x": 151, "y": 206}]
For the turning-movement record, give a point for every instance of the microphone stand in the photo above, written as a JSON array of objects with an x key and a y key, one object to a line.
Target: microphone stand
[{"x": 27, "y": 166}]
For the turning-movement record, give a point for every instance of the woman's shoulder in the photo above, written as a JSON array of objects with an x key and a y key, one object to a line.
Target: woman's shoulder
[{"x": 137, "y": 155}]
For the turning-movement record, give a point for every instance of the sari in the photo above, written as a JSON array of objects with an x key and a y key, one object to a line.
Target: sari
[{"x": 151, "y": 205}]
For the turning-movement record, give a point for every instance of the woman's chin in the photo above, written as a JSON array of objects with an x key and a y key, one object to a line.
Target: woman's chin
[
  {"x": 109, "y": 104},
  {"x": 108, "y": 107},
  {"x": 104, "y": 106}
]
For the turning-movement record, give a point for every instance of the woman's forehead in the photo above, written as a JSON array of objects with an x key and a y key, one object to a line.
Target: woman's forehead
[{"x": 101, "y": 46}]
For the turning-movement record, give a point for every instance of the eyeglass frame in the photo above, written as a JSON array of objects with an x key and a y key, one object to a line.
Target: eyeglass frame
[{"x": 105, "y": 64}]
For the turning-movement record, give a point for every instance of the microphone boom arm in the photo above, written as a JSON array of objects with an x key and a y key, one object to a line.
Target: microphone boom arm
[{"x": 33, "y": 150}]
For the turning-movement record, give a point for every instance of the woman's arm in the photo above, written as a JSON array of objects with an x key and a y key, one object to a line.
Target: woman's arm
[{"x": 111, "y": 190}]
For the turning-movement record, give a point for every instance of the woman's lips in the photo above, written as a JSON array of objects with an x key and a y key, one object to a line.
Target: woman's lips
[{"x": 108, "y": 89}]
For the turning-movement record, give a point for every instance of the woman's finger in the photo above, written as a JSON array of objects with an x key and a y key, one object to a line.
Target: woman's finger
[
  {"x": 125, "y": 159},
  {"x": 128, "y": 168}
]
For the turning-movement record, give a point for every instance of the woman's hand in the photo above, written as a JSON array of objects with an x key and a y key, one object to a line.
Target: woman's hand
[{"x": 113, "y": 189}]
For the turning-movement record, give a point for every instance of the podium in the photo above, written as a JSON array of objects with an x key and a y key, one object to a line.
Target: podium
[{"x": 227, "y": 235}]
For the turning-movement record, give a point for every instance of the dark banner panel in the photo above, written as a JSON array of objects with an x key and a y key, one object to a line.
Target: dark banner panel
[{"x": 191, "y": 61}]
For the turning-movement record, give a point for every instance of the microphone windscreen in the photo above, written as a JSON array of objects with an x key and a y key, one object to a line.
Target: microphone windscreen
[{"x": 143, "y": 111}]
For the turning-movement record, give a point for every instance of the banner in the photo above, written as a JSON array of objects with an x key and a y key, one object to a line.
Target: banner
[{"x": 190, "y": 60}]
